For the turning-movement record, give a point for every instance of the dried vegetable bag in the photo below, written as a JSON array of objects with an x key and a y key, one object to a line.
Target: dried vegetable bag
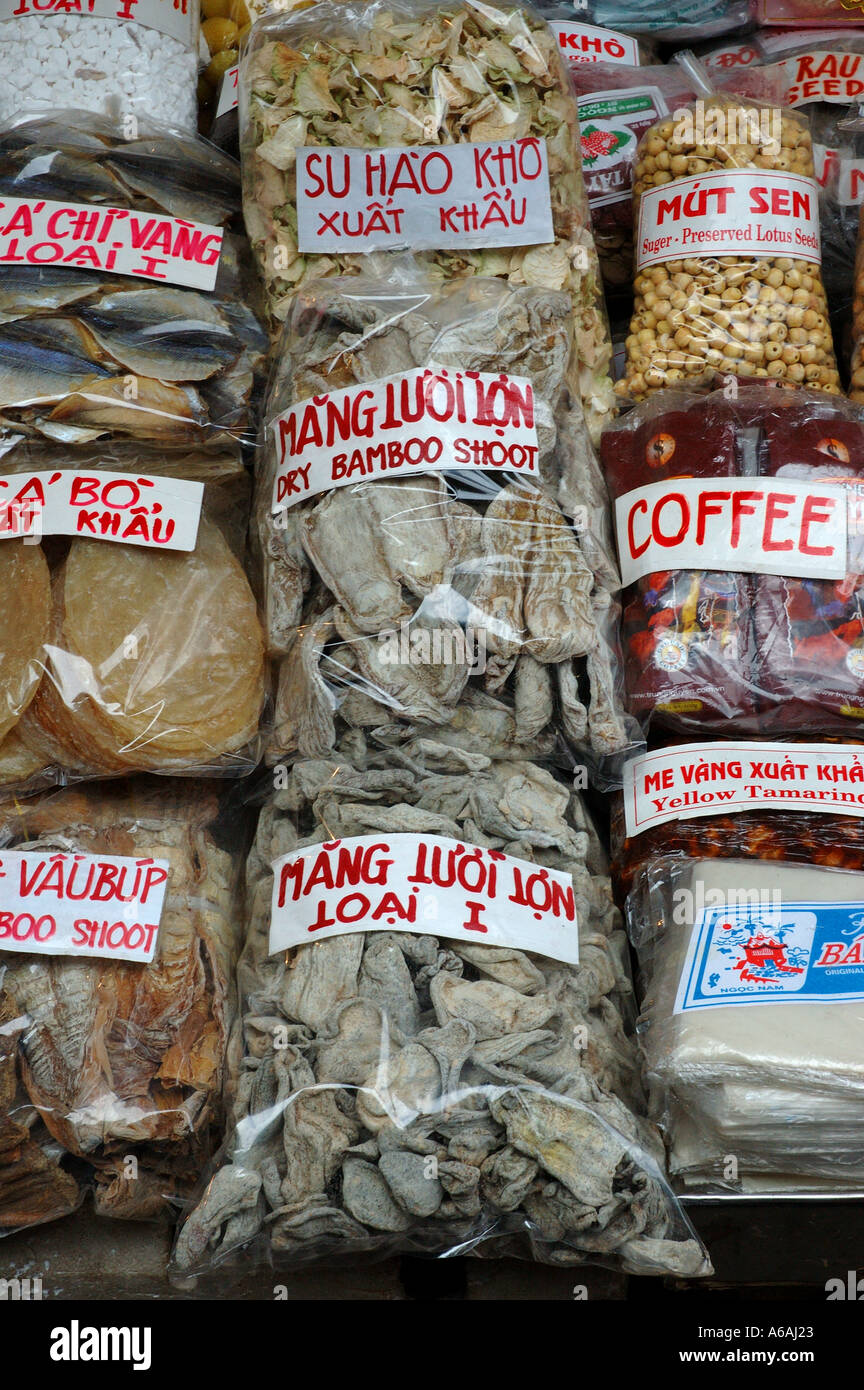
[
  {"x": 125, "y": 306},
  {"x": 449, "y": 129},
  {"x": 129, "y": 635},
  {"x": 118, "y": 944},
  {"x": 111, "y": 57},
  {"x": 749, "y": 933},
  {"x": 738, "y": 518},
  {"x": 432, "y": 525},
  {"x": 727, "y": 259},
  {"x": 433, "y": 1068}
]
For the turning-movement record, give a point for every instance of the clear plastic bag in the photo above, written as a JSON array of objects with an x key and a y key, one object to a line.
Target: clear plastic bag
[
  {"x": 111, "y": 1072},
  {"x": 457, "y": 565},
  {"x": 419, "y": 1089},
  {"x": 119, "y": 655},
  {"x": 685, "y": 21},
  {"x": 89, "y": 352},
  {"x": 711, "y": 187},
  {"x": 465, "y": 82},
  {"x": 107, "y": 58},
  {"x": 764, "y": 653}
]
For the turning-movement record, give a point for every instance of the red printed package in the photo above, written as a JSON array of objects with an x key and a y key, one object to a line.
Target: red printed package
[{"x": 765, "y": 487}]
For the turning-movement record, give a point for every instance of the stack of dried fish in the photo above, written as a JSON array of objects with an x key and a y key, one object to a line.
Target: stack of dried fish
[
  {"x": 435, "y": 598},
  {"x": 119, "y": 1065},
  {"x": 417, "y": 1089},
  {"x": 118, "y": 657},
  {"x": 420, "y": 73},
  {"x": 87, "y": 352}
]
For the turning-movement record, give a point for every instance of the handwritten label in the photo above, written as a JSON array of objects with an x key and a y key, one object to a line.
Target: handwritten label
[
  {"x": 127, "y": 507},
  {"x": 177, "y": 18},
  {"x": 39, "y": 232},
  {"x": 709, "y": 779},
  {"x": 409, "y": 423},
  {"x": 797, "y": 952},
  {"x": 821, "y": 75},
  {"x": 423, "y": 884},
  {"x": 81, "y": 904},
  {"x": 731, "y": 56},
  {"x": 437, "y": 198},
  {"x": 587, "y": 43},
  {"x": 736, "y": 212},
  {"x": 739, "y": 525},
  {"x": 228, "y": 93}
]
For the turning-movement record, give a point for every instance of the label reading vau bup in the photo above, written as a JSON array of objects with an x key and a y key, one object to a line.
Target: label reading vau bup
[
  {"x": 55, "y": 904},
  {"x": 782, "y": 526},
  {"x": 423, "y": 884},
  {"x": 177, "y": 18},
  {"x": 588, "y": 43},
  {"x": 732, "y": 213},
  {"x": 711, "y": 779},
  {"x": 130, "y": 508},
  {"x": 41, "y": 231},
  {"x": 413, "y": 422},
  {"x": 435, "y": 198}
]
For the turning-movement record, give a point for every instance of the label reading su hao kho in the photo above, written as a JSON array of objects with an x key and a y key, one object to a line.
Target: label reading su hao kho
[
  {"x": 785, "y": 526},
  {"x": 800, "y": 952},
  {"x": 710, "y": 779},
  {"x": 162, "y": 513},
  {"x": 177, "y": 18},
  {"x": 736, "y": 213},
  {"x": 427, "y": 885},
  {"x": 81, "y": 904},
  {"x": 151, "y": 246},
  {"x": 428, "y": 198},
  {"x": 413, "y": 422}
]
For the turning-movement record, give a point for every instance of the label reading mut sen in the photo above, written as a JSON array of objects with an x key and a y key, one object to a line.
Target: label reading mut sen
[
  {"x": 785, "y": 526},
  {"x": 413, "y": 422},
  {"x": 131, "y": 508},
  {"x": 737, "y": 212},
  {"x": 176, "y": 18},
  {"x": 423, "y": 884},
  {"x": 437, "y": 198},
  {"x": 54, "y": 904},
  {"x": 712, "y": 779},
  {"x": 149, "y": 245}
]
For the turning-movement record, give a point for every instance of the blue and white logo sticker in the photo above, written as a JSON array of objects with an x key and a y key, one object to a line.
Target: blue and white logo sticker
[{"x": 808, "y": 952}]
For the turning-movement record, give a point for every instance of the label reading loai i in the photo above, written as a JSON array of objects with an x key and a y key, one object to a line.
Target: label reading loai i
[
  {"x": 55, "y": 904},
  {"x": 423, "y": 884}
]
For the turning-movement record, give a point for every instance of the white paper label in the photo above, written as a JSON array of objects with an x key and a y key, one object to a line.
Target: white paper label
[
  {"x": 738, "y": 212},
  {"x": 39, "y": 232},
  {"x": 439, "y": 198},
  {"x": 130, "y": 508},
  {"x": 823, "y": 76},
  {"x": 413, "y": 422},
  {"x": 54, "y": 904},
  {"x": 587, "y": 43},
  {"x": 177, "y": 18},
  {"x": 424, "y": 884},
  {"x": 709, "y": 779},
  {"x": 850, "y": 182},
  {"x": 228, "y": 92},
  {"x": 738, "y": 525},
  {"x": 733, "y": 56}
]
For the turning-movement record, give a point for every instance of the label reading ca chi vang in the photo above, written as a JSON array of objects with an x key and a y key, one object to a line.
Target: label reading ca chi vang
[
  {"x": 130, "y": 508},
  {"x": 67, "y": 904},
  {"x": 437, "y": 198},
  {"x": 176, "y": 18},
  {"x": 412, "y": 422},
  {"x": 151, "y": 246},
  {"x": 423, "y": 884},
  {"x": 740, "y": 953},
  {"x": 736, "y": 212}
]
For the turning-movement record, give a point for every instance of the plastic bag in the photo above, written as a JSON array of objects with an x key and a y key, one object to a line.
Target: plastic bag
[
  {"x": 708, "y": 297},
  {"x": 423, "y": 569},
  {"x": 139, "y": 57},
  {"x": 111, "y": 1070},
  {"x": 169, "y": 350},
  {"x": 766, "y": 652},
  {"x": 486, "y": 95},
  {"x": 116, "y": 657},
  {"x": 686, "y": 21},
  {"x": 419, "y": 1089}
]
